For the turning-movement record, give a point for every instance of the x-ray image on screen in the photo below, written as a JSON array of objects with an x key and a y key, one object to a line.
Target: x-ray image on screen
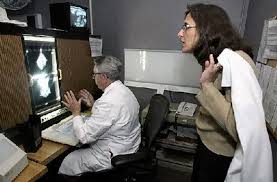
[
  {"x": 44, "y": 89},
  {"x": 40, "y": 58},
  {"x": 78, "y": 16}
]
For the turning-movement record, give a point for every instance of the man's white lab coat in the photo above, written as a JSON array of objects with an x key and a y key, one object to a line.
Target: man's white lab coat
[{"x": 112, "y": 129}]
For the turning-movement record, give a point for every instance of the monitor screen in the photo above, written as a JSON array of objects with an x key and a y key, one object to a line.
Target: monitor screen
[
  {"x": 78, "y": 16},
  {"x": 40, "y": 58}
]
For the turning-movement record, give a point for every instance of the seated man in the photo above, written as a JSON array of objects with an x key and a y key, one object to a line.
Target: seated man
[{"x": 112, "y": 129}]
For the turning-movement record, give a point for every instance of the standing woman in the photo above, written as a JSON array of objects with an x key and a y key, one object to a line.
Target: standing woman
[{"x": 234, "y": 144}]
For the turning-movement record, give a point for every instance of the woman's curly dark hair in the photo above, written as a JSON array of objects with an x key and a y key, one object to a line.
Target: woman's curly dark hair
[{"x": 215, "y": 32}]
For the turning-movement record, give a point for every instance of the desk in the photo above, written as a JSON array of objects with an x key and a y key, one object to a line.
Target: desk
[
  {"x": 47, "y": 152},
  {"x": 32, "y": 172},
  {"x": 37, "y": 161}
]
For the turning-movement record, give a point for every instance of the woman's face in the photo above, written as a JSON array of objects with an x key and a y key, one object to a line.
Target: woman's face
[{"x": 188, "y": 34}]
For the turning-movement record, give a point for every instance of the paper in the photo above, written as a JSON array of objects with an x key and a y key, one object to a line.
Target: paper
[
  {"x": 269, "y": 107},
  {"x": 258, "y": 67},
  {"x": 95, "y": 46},
  {"x": 66, "y": 128},
  {"x": 273, "y": 123},
  {"x": 272, "y": 85},
  {"x": 270, "y": 99},
  {"x": 270, "y": 52},
  {"x": 61, "y": 132},
  {"x": 270, "y": 48},
  {"x": 264, "y": 78},
  {"x": 261, "y": 75},
  {"x": 268, "y": 75},
  {"x": 272, "y": 39},
  {"x": 272, "y": 26},
  {"x": 263, "y": 44}
]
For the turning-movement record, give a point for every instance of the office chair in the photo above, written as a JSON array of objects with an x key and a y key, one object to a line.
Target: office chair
[{"x": 139, "y": 166}]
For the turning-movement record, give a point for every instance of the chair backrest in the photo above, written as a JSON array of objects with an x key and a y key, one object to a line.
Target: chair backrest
[{"x": 157, "y": 113}]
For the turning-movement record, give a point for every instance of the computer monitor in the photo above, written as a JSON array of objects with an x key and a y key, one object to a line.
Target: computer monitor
[
  {"x": 41, "y": 63},
  {"x": 78, "y": 16},
  {"x": 42, "y": 67},
  {"x": 68, "y": 16}
]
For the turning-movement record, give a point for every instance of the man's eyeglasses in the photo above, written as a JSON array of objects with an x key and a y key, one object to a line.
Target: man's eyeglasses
[
  {"x": 93, "y": 75},
  {"x": 186, "y": 26}
]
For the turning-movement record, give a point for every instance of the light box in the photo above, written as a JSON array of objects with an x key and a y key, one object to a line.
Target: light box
[{"x": 162, "y": 70}]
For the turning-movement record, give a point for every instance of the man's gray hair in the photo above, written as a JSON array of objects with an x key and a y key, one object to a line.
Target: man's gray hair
[{"x": 109, "y": 65}]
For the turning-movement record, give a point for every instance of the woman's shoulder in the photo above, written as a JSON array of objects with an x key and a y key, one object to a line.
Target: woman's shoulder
[{"x": 248, "y": 59}]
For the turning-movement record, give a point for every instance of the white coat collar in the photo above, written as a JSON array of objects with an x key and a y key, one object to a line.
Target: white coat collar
[{"x": 111, "y": 86}]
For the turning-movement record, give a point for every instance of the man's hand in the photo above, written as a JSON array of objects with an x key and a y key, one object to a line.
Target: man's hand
[
  {"x": 72, "y": 104},
  {"x": 86, "y": 97},
  {"x": 211, "y": 70}
]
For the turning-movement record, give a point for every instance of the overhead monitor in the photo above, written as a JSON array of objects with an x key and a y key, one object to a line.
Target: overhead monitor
[
  {"x": 68, "y": 16},
  {"x": 78, "y": 16}
]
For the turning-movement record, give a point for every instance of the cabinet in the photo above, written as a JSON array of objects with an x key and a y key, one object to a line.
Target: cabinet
[
  {"x": 15, "y": 100},
  {"x": 76, "y": 65},
  {"x": 74, "y": 61}
]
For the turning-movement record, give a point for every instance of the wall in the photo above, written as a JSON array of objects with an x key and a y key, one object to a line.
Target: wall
[
  {"x": 149, "y": 24},
  {"x": 35, "y": 7}
]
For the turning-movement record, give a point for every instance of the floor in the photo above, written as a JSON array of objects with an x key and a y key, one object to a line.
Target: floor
[{"x": 165, "y": 174}]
